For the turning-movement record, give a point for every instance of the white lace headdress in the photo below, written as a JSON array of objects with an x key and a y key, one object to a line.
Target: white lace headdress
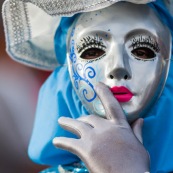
[{"x": 30, "y": 26}]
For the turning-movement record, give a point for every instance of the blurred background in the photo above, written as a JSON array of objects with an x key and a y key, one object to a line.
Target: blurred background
[{"x": 19, "y": 86}]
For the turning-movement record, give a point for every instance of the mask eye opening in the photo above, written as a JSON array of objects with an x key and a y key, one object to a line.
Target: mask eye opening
[
  {"x": 143, "y": 53},
  {"x": 92, "y": 53}
]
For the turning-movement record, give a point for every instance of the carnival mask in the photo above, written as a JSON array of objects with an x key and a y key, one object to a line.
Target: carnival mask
[{"x": 126, "y": 47}]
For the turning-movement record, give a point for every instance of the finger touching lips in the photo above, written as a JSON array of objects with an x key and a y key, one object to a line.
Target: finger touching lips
[{"x": 112, "y": 107}]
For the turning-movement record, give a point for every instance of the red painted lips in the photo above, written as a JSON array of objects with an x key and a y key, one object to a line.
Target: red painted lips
[{"x": 121, "y": 93}]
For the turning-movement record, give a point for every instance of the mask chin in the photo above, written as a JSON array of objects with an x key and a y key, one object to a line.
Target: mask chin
[{"x": 127, "y": 51}]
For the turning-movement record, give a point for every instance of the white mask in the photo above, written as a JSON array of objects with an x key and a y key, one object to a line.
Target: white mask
[{"x": 126, "y": 47}]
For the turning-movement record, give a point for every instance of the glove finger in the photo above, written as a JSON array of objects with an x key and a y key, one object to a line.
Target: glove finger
[
  {"x": 69, "y": 144},
  {"x": 92, "y": 120},
  {"x": 111, "y": 105},
  {"x": 137, "y": 129},
  {"x": 74, "y": 126}
]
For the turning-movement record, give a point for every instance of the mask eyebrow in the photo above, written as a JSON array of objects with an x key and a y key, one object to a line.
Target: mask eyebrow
[
  {"x": 105, "y": 35},
  {"x": 140, "y": 32}
]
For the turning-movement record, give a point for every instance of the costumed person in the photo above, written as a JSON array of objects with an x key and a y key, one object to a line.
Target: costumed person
[{"x": 125, "y": 46}]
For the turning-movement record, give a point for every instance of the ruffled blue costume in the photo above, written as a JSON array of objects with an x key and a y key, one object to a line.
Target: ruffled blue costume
[{"x": 57, "y": 98}]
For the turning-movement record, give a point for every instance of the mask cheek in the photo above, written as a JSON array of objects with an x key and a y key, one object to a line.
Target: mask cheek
[
  {"x": 84, "y": 75},
  {"x": 98, "y": 108},
  {"x": 147, "y": 87}
]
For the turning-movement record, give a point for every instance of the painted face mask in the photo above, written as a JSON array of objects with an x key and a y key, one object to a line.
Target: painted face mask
[{"x": 127, "y": 48}]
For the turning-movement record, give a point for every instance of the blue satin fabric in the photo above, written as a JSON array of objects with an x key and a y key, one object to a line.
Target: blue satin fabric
[
  {"x": 158, "y": 124},
  {"x": 57, "y": 98}
]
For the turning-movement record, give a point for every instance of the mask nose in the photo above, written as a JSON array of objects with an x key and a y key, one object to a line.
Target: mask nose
[
  {"x": 119, "y": 73},
  {"x": 121, "y": 67}
]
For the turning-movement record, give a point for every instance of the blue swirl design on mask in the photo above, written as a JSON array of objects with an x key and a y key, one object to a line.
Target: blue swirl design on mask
[{"x": 88, "y": 72}]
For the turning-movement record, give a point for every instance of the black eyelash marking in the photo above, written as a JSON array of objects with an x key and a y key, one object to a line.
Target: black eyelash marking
[
  {"x": 96, "y": 42},
  {"x": 145, "y": 42}
]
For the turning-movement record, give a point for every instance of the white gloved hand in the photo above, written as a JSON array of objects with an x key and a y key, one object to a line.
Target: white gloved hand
[{"x": 106, "y": 145}]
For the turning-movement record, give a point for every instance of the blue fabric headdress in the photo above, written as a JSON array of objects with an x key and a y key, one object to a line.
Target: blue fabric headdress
[
  {"x": 158, "y": 128},
  {"x": 57, "y": 98}
]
